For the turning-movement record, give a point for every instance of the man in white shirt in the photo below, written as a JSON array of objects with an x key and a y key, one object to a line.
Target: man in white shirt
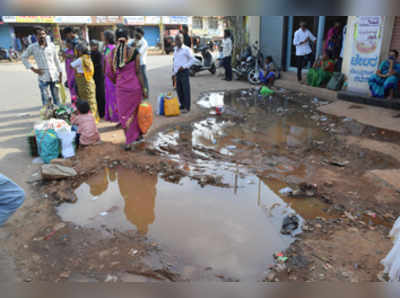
[
  {"x": 183, "y": 60},
  {"x": 142, "y": 47},
  {"x": 227, "y": 55},
  {"x": 302, "y": 39},
  {"x": 49, "y": 69}
]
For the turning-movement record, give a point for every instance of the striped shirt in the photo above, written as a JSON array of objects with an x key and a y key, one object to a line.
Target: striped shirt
[{"x": 46, "y": 59}]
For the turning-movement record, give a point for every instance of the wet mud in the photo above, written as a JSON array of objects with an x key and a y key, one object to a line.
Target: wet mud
[{"x": 205, "y": 201}]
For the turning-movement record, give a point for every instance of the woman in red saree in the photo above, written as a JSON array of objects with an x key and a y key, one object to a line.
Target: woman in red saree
[{"x": 129, "y": 87}]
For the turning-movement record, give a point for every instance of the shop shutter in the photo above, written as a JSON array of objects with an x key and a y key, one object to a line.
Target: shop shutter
[
  {"x": 396, "y": 35},
  {"x": 152, "y": 35}
]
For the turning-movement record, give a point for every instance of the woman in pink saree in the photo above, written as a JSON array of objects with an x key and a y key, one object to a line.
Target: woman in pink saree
[
  {"x": 129, "y": 87},
  {"x": 111, "y": 110},
  {"x": 69, "y": 57}
]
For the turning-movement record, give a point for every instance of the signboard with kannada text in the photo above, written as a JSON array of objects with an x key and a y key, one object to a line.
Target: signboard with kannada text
[{"x": 366, "y": 45}]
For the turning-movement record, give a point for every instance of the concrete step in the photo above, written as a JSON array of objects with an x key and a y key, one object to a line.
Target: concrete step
[{"x": 368, "y": 100}]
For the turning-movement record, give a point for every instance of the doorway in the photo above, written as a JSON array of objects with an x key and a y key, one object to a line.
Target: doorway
[{"x": 312, "y": 25}]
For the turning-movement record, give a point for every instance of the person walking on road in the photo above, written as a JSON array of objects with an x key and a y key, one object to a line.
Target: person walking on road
[
  {"x": 11, "y": 198},
  {"x": 142, "y": 46},
  {"x": 187, "y": 40},
  {"x": 302, "y": 39},
  {"x": 48, "y": 64},
  {"x": 183, "y": 60},
  {"x": 227, "y": 55}
]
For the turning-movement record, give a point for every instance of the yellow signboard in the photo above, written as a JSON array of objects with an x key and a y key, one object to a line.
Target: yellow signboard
[{"x": 34, "y": 19}]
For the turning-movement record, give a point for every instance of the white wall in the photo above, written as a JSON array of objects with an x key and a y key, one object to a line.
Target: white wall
[{"x": 253, "y": 28}]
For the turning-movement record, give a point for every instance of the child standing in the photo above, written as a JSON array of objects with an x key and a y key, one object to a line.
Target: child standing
[{"x": 87, "y": 133}]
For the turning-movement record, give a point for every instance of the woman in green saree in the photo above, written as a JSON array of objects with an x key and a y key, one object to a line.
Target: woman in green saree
[{"x": 321, "y": 72}]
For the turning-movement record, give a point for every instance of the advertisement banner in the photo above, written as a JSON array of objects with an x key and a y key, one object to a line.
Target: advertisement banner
[
  {"x": 134, "y": 20},
  {"x": 366, "y": 47},
  {"x": 106, "y": 20},
  {"x": 9, "y": 19},
  {"x": 176, "y": 20},
  {"x": 28, "y": 19},
  {"x": 73, "y": 19},
  {"x": 34, "y": 19},
  {"x": 152, "y": 19}
]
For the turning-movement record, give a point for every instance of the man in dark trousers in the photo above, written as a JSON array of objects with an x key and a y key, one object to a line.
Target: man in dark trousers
[
  {"x": 302, "y": 39},
  {"x": 227, "y": 55},
  {"x": 187, "y": 41},
  {"x": 183, "y": 60}
]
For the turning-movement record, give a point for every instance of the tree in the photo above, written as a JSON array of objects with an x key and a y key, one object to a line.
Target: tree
[{"x": 237, "y": 25}]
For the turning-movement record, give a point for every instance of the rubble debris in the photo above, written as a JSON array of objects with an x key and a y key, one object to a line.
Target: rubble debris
[
  {"x": 56, "y": 172},
  {"x": 304, "y": 190}
]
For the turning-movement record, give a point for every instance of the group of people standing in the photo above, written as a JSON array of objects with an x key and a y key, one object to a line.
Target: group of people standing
[{"x": 113, "y": 82}]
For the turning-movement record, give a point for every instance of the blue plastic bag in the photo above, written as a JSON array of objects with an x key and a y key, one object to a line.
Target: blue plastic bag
[{"x": 48, "y": 144}]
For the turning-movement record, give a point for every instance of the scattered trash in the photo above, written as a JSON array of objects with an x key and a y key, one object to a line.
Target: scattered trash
[
  {"x": 23, "y": 115},
  {"x": 132, "y": 252},
  {"x": 339, "y": 163},
  {"x": 323, "y": 118},
  {"x": 103, "y": 213},
  {"x": 94, "y": 198},
  {"x": 231, "y": 147},
  {"x": 323, "y": 102},
  {"x": 37, "y": 161},
  {"x": 315, "y": 100},
  {"x": 286, "y": 191},
  {"x": 290, "y": 223},
  {"x": 314, "y": 117},
  {"x": 371, "y": 214},
  {"x": 280, "y": 110},
  {"x": 304, "y": 190},
  {"x": 349, "y": 215},
  {"x": 111, "y": 278},
  {"x": 304, "y": 106}
]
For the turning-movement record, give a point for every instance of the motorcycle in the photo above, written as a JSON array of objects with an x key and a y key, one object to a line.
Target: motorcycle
[
  {"x": 205, "y": 61},
  {"x": 244, "y": 62},
  {"x": 254, "y": 71},
  {"x": 4, "y": 55}
]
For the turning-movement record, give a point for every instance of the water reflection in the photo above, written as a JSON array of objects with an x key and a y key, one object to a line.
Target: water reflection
[{"x": 140, "y": 198}]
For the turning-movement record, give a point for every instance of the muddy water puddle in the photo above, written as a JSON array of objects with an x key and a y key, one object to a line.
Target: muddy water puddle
[
  {"x": 231, "y": 231},
  {"x": 234, "y": 231}
]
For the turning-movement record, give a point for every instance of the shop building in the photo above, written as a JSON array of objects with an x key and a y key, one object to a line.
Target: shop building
[{"x": 151, "y": 26}]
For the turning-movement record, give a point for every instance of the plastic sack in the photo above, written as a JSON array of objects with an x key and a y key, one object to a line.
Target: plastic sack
[
  {"x": 48, "y": 144},
  {"x": 336, "y": 82},
  {"x": 171, "y": 106},
  {"x": 266, "y": 91},
  {"x": 63, "y": 94},
  {"x": 145, "y": 117},
  {"x": 392, "y": 260},
  {"x": 67, "y": 143},
  {"x": 160, "y": 105}
]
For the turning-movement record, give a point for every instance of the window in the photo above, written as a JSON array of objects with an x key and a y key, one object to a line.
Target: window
[
  {"x": 197, "y": 23},
  {"x": 213, "y": 23}
]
